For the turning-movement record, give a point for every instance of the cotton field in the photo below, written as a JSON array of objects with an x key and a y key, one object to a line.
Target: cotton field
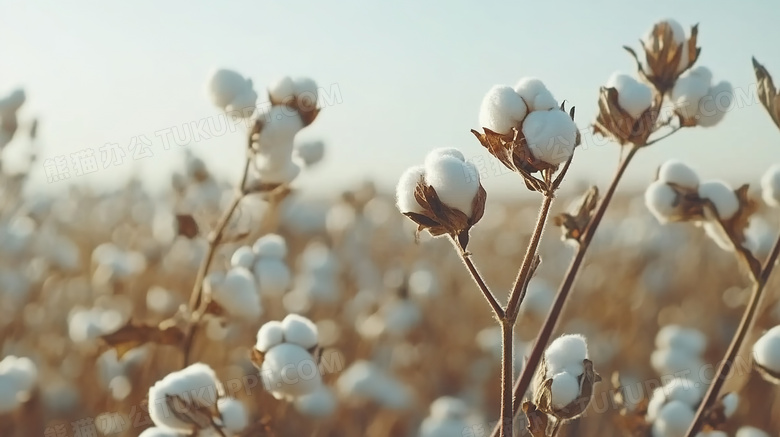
[{"x": 250, "y": 307}]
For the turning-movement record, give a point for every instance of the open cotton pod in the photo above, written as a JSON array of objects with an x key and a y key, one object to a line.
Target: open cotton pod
[
  {"x": 668, "y": 53},
  {"x": 626, "y": 111},
  {"x": 766, "y": 352}
]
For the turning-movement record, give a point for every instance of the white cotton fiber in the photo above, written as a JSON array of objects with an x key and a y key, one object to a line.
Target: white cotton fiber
[
  {"x": 234, "y": 414},
  {"x": 661, "y": 200},
  {"x": 722, "y": 196},
  {"x": 243, "y": 257},
  {"x": 550, "y": 135},
  {"x": 269, "y": 335},
  {"x": 300, "y": 330},
  {"x": 713, "y": 106},
  {"x": 237, "y": 294},
  {"x": 565, "y": 389},
  {"x": 767, "y": 350},
  {"x": 535, "y": 94},
  {"x": 679, "y": 173},
  {"x": 564, "y": 351},
  {"x": 770, "y": 186},
  {"x": 270, "y": 246},
  {"x": 159, "y": 432},
  {"x": 280, "y": 124},
  {"x": 282, "y": 90},
  {"x": 683, "y": 390},
  {"x": 502, "y": 109},
  {"x": 456, "y": 182},
  {"x": 318, "y": 404},
  {"x": 435, "y": 154},
  {"x": 673, "y": 420},
  {"x": 306, "y": 92},
  {"x": 273, "y": 276},
  {"x": 196, "y": 385},
  {"x": 288, "y": 371},
  {"x": 404, "y": 191},
  {"x": 244, "y": 103},
  {"x": 689, "y": 89},
  {"x": 633, "y": 96}
]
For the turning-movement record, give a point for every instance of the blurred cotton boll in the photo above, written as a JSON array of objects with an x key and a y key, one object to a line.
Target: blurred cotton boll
[
  {"x": 235, "y": 417},
  {"x": 363, "y": 381},
  {"x": 18, "y": 378},
  {"x": 633, "y": 96},
  {"x": 749, "y": 431},
  {"x": 551, "y": 135},
  {"x": 193, "y": 387},
  {"x": 237, "y": 293},
  {"x": 447, "y": 418},
  {"x": 679, "y": 173},
  {"x": 770, "y": 186},
  {"x": 159, "y": 432},
  {"x": 310, "y": 152},
  {"x": 767, "y": 350},
  {"x": 714, "y": 105},
  {"x": 231, "y": 91},
  {"x": 689, "y": 89},
  {"x": 290, "y": 371},
  {"x": 270, "y": 246},
  {"x": 535, "y": 94},
  {"x": 539, "y": 297},
  {"x": 319, "y": 404},
  {"x": 502, "y": 109}
]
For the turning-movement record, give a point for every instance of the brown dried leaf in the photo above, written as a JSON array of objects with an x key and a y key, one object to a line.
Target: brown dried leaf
[
  {"x": 614, "y": 122},
  {"x": 537, "y": 420},
  {"x": 187, "y": 226},
  {"x": 133, "y": 335},
  {"x": 767, "y": 93},
  {"x": 257, "y": 358},
  {"x": 736, "y": 226}
]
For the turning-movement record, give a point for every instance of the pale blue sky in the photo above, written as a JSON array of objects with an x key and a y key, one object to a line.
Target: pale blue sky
[{"x": 410, "y": 75}]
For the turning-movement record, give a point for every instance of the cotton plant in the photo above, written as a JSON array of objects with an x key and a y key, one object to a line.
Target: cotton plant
[
  {"x": 192, "y": 401},
  {"x": 18, "y": 382},
  {"x": 770, "y": 186},
  {"x": 699, "y": 102}
]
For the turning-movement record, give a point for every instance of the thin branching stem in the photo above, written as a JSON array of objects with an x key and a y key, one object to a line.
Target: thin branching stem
[
  {"x": 518, "y": 290},
  {"x": 526, "y": 375},
  {"x": 664, "y": 136},
  {"x": 498, "y": 312},
  {"x": 507, "y": 359},
  {"x": 214, "y": 239},
  {"x": 745, "y": 325}
]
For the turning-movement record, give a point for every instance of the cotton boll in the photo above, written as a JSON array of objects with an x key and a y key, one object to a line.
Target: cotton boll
[
  {"x": 272, "y": 171},
  {"x": 435, "y": 154},
  {"x": 502, "y": 109},
  {"x": 689, "y": 340},
  {"x": 12, "y": 102},
  {"x": 730, "y": 404},
  {"x": 766, "y": 350},
  {"x": 196, "y": 385},
  {"x": 456, "y": 182},
  {"x": 311, "y": 152},
  {"x": 243, "y": 103},
  {"x": 535, "y": 94},
  {"x": 269, "y": 335},
  {"x": 434, "y": 427},
  {"x": 404, "y": 191},
  {"x": 669, "y": 361},
  {"x": 237, "y": 294},
  {"x": 539, "y": 297},
  {"x": 280, "y": 124},
  {"x": 689, "y": 89},
  {"x": 633, "y": 96},
  {"x": 300, "y": 330},
  {"x": 722, "y": 196},
  {"x": 447, "y": 407},
  {"x": 749, "y": 431},
  {"x": 714, "y": 105},
  {"x": 551, "y": 135},
  {"x": 565, "y": 350},
  {"x": 679, "y": 173},
  {"x": 318, "y": 404},
  {"x": 423, "y": 284},
  {"x": 565, "y": 389},
  {"x": 306, "y": 91},
  {"x": 288, "y": 370},
  {"x": 770, "y": 186},
  {"x": 282, "y": 90},
  {"x": 400, "y": 316},
  {"x": 678, "y": 32},
  {"x": 273, "y": 276},
  {"x": 683, "y": 390},
  {"x": 224, "y": 86},
  {"x": 243, "y": 257},
  {"x": 270, "y": 246},
  {"x": 673, "y": 420},
  {"x": 234, "y": 415}
]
